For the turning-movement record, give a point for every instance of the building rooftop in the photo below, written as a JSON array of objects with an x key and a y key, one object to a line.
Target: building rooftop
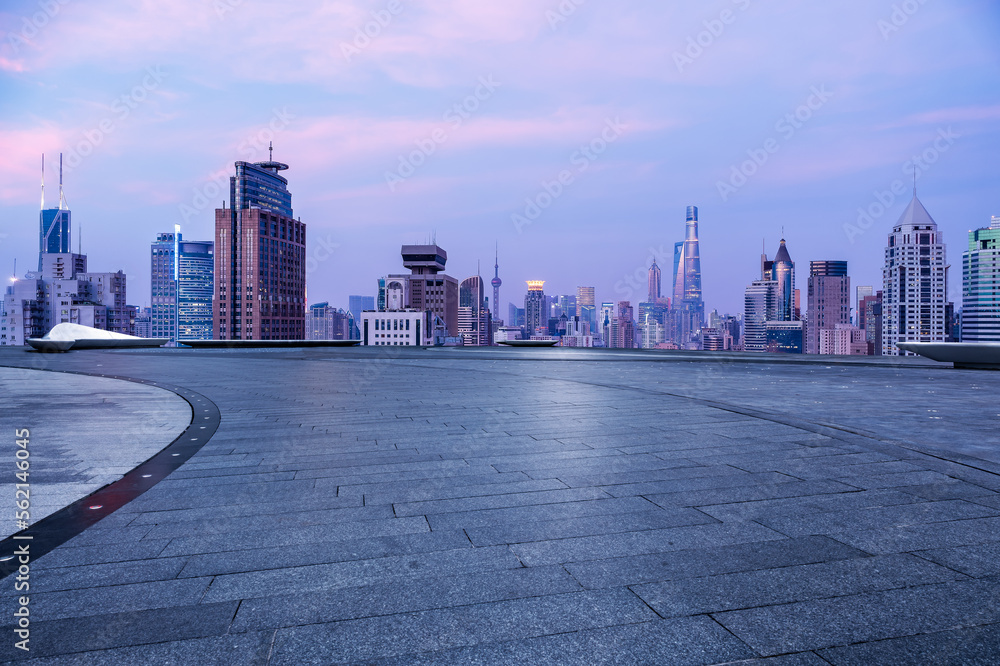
[{"x": 456, "y": 506}]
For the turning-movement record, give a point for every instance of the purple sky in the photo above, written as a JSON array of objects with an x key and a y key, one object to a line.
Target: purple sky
[{"x": 152, "y": 102}]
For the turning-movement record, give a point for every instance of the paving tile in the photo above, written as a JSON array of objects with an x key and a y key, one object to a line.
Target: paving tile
[
  {"x": 291, "y": 537},
  {"x": 711, "y": 560},
  {"x": 107, "y": 631},
  {"x": 130, "y": 597},
  {"x": 701, "y": 483},
  {"x": 703, "y": 498},
  {"x": 676, "y": 641},
  {"x": 766, "y": 587},
  {"x": 536, "y": 512},
  {"x": 580, "y": 549},
  {"x": 498, "y": 501},
  {"x": 908, "y": 538},
  {"x": 362, "y": 572},
  {"x": 401, "y": 596},
  {"x": 97, "y": 575},
  {"x": 280, "y": 557},
  {"x": 66, "y": 556},
  {"x": 806, "y": 506},
  {"x": 978, "y": 561},
  {"x": 401, "y": 496},
  {"x": 251, "y": 649},
  {"x": 874, "y": 518},
  {"x": 813, "y": 625},
  {"x": 591, "y": 525},
  {"x": 973, "y": 646},
  {"x": 395, "y": 635}
]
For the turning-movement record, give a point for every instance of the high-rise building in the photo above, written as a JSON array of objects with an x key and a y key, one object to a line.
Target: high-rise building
[
  {"x": 358, "y": 304},
  {"x": 915, "y": 281},
  {"x": 163, "y": 286},
  {"x": 829, "y": 299},
  {"x": 586, "y": 310},
  {"x": 871, "y": 315},
  {"x": 677, "y": 279},
  {"x": 53, "y": 223},
  {"x": 861, "y": 292},
  {"x": 625, "y": 338},
  {"x": 496, "y": 282},
  {"x": 326, "y": 323},
  {"x": 654, "y": 282},
  {"x": 563, "y": 304},
  {"x": 381, "y": 295},
  {"x": 981, "y": 285},
  {"x": 651, "y": 328},
  {"x": 782, "y": 271},
  {"x": 428, "y": 289},
  {"x": 688, "y": 306},
  {"x": 607, "y": 324},
  {"x": 535, "y": 315},
  {"x": 181, "y": 287},
  {"x": 515, "y": 316},
  {"x": 474, "y": 321},
  {"x": 760, "y": 307},
  {"x": 260, "y": 258},
  {"x": 143, "y": 322}
]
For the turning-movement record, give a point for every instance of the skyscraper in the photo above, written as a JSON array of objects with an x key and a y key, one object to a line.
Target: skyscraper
[
  {"x": 981, "y": 285},
  {"x": 829, "y": 300},
  {"x": 181, "y": 277},
  {"x": 260, "y": 258},
  {"x": 535, "y": 316},
  {"x": 654, "y": 282},
  {"x": 760, "y": 307},
  {"x": 606, "y": 324},
  {"x": 688, "y": 306},
  {"x": 53, "y": 223},
  {"x": 871, "y": 315},
  {"x": 496, "y": 282},
  {"x": 861, "y": 291},
  {"x": 782, "y": 271},
  {"x": 473, "y": 316},
  {"x": 586, "y": 309},
  {"x": 626, "y": 326},
  {"x": 326, "y": 323},
  {"x": 915, "y": 281}
]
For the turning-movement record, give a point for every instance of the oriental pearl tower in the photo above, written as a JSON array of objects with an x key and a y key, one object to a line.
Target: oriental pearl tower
[{"x": 496, "y": 282}]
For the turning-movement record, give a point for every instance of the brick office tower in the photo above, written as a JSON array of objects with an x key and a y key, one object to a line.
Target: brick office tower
[{"x": 260, "y": 259}]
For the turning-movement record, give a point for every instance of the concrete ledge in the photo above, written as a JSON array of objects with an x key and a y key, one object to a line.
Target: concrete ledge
[
  {"x": 968, "y": 355},
  {"x": 263, "y": 344}
]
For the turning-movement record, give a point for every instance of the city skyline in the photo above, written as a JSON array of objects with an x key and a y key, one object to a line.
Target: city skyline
[{"x": 154, "y": 121}]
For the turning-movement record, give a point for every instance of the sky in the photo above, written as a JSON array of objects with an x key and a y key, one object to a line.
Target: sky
[{"x": 570, "y": 135}]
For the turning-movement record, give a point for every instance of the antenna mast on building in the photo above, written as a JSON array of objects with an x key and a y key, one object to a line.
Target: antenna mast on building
[{"x": 43, "y": 181}]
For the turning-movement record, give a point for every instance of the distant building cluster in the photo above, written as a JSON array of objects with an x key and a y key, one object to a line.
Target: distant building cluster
[
  {"x": 249, "y": 283},
  {"x": 62, "y": 289}
]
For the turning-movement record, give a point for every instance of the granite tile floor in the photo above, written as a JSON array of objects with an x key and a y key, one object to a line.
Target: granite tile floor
[{"x": 453, "y": 506}]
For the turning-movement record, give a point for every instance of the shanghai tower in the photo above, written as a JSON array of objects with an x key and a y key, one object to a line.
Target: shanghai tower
[{"x": 689, "y": 308}]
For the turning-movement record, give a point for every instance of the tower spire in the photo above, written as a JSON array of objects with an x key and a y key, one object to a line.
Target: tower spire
[
  {"x": 914, "y": 180},
  {"x": 62, "y": 197},
  {"x": 43, "y": 181},
  {"x": 270, "y": 151}
]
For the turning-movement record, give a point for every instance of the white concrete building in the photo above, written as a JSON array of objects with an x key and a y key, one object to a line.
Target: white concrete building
[
  {"x": 395, "y": 328},
  {"x": 915, "y": 281}
]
